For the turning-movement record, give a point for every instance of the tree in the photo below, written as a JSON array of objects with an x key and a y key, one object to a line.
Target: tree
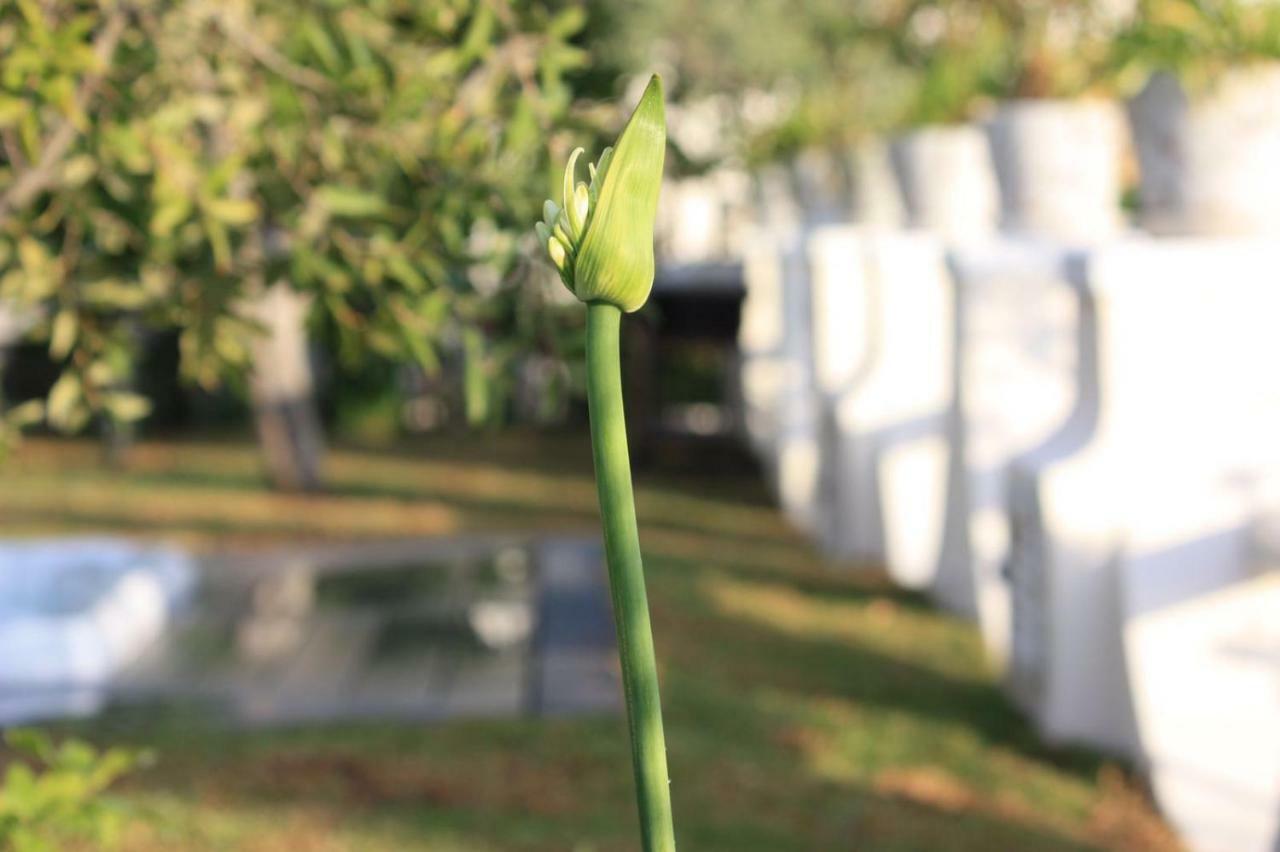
[{"x": 236, "y": 167}]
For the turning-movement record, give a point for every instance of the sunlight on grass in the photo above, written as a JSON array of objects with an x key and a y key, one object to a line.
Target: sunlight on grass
[
  {"x": 165, "y": 822},
  {"x": 208, "y": 510},
  {"x": 808, "y": 707},
  {"x": 920, "y": 637}
]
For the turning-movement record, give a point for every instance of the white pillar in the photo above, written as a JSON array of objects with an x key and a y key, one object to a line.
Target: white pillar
[
  {"x": 947, "y": 180},
  {"x": 1188, "y": 409},
  {"x": 1058, "y": 166},
  {"x": 1208, "y": 159},
  {"x": 885, "y": 371},
  {"x": 1020, "y": 383},
  {"x": 843, "y": 329}
]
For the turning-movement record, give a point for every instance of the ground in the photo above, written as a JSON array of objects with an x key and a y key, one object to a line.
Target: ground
[{"x": 808, "y": 706}]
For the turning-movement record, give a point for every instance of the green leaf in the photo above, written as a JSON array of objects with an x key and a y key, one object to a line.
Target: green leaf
[
  {"x": 65, "y": 406},
  {"x": 26, "y": 414},
  {"x": 77, "y": 171},
  {"x": 403, "y": 271},
  {"x": 66, "y": 325},
  {"x": 12, "y": 110},
  {"x": 321, "y": 44},
  {"x": 171, "y": 213},
  {"x": 127, "y": 407},
  {"x": 480, "y": 33},
  {"x": 232, "y": 211},
  {"x": 219, "y": 243},
  {"x": 475, "y": 377},
  {"x": 567, "y": 23},
  {"x": 30, "y": 742},
  {"x": 116, "y": 294},
  {"x": 350, "y": 203}
]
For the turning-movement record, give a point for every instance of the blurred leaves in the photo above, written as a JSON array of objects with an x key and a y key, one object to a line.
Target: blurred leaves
[
  {"x": 1196, "y": 39},
  {"x": 222, "y": 145},
  {"x": 829, "y": 71},
  {"x": 52, "y": 794},
  {"x": 798, "y": 72}
]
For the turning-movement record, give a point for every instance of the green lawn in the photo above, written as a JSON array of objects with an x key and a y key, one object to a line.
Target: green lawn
[{"x": 809, "y": 707}]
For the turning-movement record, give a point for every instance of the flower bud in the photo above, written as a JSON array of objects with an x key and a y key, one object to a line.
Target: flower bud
[
  {"x": 602, "y": 238},
  {"x": 558, "y": 255}
]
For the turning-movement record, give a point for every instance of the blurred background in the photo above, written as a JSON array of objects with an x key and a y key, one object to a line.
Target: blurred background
[{"x": 953, "y": 417}]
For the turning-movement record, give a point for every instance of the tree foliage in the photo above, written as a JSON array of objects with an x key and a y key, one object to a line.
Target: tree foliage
[
  {"x": 164, "y": 161},
  {"x": 1199, "y": 40},
  {"x": 52, "y": 794}
]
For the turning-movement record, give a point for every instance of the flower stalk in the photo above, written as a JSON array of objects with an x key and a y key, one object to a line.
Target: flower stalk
[
  {"x": 600, "y": 238},
  {"x": 626, "y": 577}
]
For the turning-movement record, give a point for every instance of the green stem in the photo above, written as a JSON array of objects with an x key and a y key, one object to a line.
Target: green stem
[{"x": 626, "y": 577}]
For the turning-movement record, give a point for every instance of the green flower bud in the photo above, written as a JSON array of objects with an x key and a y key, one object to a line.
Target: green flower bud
[
  {"x": 577, "y": 215},
  {"x": 581, "y": 202},
  {"x": 601, "y": 240},
  {"x": 558, "y": 255}
]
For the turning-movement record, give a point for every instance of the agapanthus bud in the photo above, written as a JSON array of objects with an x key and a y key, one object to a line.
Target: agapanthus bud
[
  {"x": 558, "y": 254},
  {"x": 581, "y": 201},
  {"x": 602, "y": 238}
]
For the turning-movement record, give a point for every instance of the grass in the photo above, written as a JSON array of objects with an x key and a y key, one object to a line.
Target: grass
[{"x": 809, "y": 707}]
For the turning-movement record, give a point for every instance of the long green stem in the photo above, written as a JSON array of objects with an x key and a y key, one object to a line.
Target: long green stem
[{"x": 626, "y": 577}]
